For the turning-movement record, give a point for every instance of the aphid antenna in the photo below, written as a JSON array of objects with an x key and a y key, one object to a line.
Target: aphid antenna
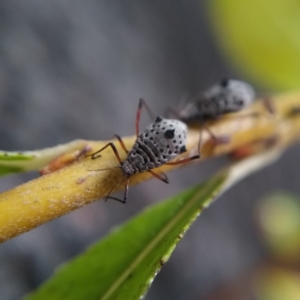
[
  {"x": 169, "y": 111},
  {"x": 142, "y": 103}
]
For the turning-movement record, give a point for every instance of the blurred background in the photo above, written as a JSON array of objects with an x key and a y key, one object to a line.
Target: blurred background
[{"x": 76, "y": 69}]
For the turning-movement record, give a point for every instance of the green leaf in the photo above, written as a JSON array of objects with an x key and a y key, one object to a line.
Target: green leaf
[
  {"x": 11, "y": 162},
  {"x": 6, "y": 170},
  {"x": 15, "y": 162},
  {"x": 123, "y": 265},
  {"x": 15, "y": 156},
  {"x": 261, "y": 37}
]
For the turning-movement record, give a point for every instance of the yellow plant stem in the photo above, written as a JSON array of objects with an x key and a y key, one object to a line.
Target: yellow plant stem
[{"x": 53, "y": 195}]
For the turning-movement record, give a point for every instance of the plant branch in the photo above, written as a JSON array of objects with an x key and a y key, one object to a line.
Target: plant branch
[{"x": 53, "y": 195}]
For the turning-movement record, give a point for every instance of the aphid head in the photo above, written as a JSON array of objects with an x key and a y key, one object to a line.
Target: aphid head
[
  {"x": 231, "y": 95},
  {"x": 167, "y": 136}
]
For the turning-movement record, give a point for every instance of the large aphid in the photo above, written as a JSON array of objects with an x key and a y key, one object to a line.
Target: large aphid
[
  {"x": 224, "y": 97},
  {"x": 162, "y": 141}
]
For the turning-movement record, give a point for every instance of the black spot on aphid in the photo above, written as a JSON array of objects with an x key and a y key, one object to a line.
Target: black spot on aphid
[
  {"x": 161, "y": 150},
  {"x": 176, "y": 147},
  {"x": 164, "y": 157},
  {"x": 146, "y": 135},
  {"x": 158, "y": 119},
  {"x": 168, "y": 146},
  {"x": 169, "y": 134},
  {"x": 157, "y": 132},
  {"x": 174, "y": 141},
  {"x": 151, "y": 138},
  {"x": 152, "y": 130},
  {"x": 224, "y": 82},
  {"x": 171, "y": 125},
  {"x": 170, "y": 152},
  {"x": 180, "y": 142},
  {"x": 179, "y": 136},
  {"x": 182, "y": 149},
  {"x": 163, "y": 128}
]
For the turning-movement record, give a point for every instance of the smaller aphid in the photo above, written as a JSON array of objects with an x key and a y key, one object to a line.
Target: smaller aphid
[
  {"x": 161, "y": 141},
  {"x": 224, "y": 97}
]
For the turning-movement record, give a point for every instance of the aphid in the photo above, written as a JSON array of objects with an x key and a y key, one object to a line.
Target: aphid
[
  {"x": 162, "y": 141},
  {"x": 224, "y": 97}
]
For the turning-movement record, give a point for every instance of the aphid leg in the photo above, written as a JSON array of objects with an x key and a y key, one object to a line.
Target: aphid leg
[
  {"x": 200, "y": 141},
  {"x": 217, "y": 139},
  {"x": 125, "y": 193},
  {"x": 163, "y": 177},
  {"x": 269, "y": 105},
  {"x": 182, "y": 161},
  {"x": 138, "y": 115},
  {"x": 94, "y": 155},
  {"x": 121, "y": 142}
]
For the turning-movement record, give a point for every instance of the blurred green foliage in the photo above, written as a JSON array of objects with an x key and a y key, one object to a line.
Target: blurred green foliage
[
  {"x": 261, "y": 38},
  {"x": 279, "y": 221}
]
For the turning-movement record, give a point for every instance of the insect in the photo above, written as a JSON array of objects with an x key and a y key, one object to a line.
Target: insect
[
  {"x": 224, "y": 97},
  {"x": 161, "y": 141}
]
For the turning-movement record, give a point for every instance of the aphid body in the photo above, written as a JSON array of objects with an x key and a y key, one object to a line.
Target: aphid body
[
  {"x": 224, "y": 97},
  {"x": 162, "y": 141}
]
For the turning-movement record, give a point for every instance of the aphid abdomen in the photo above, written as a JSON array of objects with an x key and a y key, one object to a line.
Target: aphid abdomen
[
  {"x": 159, "y": 143},
  {"x": 143, "y": 157},
  {"x": 165, "y": 139}
]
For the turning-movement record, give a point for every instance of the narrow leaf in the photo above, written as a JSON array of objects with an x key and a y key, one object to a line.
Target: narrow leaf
[{"x": 14, "y": 162}]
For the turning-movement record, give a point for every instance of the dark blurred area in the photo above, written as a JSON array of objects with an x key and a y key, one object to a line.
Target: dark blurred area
[{"x": 76, "y": 69}]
